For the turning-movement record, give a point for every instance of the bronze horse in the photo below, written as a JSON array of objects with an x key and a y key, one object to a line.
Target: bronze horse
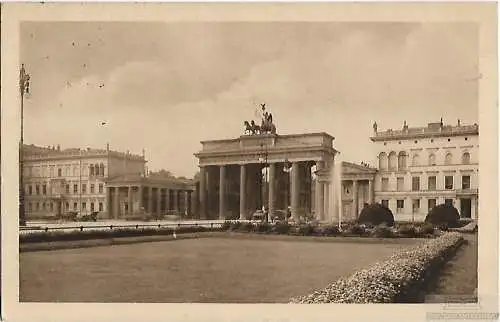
[{"x": 251, "y": 128}]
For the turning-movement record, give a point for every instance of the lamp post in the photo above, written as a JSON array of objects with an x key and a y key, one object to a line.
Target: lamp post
[
  {"x": 263, "y": 160},
  {"x": 287, "y": 167},
  {"x": 24, "y": 88}
]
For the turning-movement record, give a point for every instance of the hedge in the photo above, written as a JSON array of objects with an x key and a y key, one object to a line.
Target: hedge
[
  {"x": 376, "y": 214},
  {"x": 35, "y": 237},
  {"x": 395, "y": 280},
  {"x": 443, "y": 215}
]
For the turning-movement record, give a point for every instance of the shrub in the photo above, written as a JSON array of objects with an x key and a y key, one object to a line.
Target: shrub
[
  {"x": 306, "y": 230},
  {"x": 282, "y": 228},
  {"x": 235, "y": 225},
  {"x": 226, "y": 225},
  {"x": 407, "y": 231},
  {"x": 247, "y": 227},
  {"x": 376, "y": 214},
  {"x": 382, "y": 231},
  {"x": 358, "y": 230},
  {"x": 263, "y": 227},
  {"x": 443, "y": 214},
  {"x": 426, "y": 229},
  {"x": 395, "y": 280},
  {"x": 331, "y": 230}
]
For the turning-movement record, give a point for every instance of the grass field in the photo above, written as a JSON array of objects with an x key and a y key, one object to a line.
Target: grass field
[{"x": 228, "y": 270}]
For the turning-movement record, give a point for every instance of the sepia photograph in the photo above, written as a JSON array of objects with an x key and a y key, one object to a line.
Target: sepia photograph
[{"x": 222, "y": 157}]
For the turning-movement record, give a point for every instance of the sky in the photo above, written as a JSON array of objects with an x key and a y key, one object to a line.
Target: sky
[{"x": 164, "y": 87}]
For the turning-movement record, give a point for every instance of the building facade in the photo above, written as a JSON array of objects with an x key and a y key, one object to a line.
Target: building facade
[
  {"x": 421, "y": 167},
  {"x": 358, "y": 189},
  {"x": 59, "y": 181}
]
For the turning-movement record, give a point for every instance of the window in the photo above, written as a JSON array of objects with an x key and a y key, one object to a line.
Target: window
[
  {"x": 84, "y": 206},
  {"x": 100, "y": 206},
  {"x": 102, "y": 170},
  {"x": 401, "y": 184},
  {"x": 30, "y": 207},
  {"x": 84, "y": 188},
  {"x": 416, "y": 160},
  {"x": 466, "y": 158},
  {"x": 448, "y": 202},
  {"x": 75, "y": 205},
  {"x": 44, "y": 189},
  {"x": 37, "y": 208},
  {"x": 67, "y": 188},
  {"x": 67, "y": 206},
  {"x": 100, "y": 187},
  {"x": 91, "y": 169},
  {"x": 402, "y": 160},
  {"x": 385, "y": 203},
  {"x": 416, "y": 205},
  {"x": 465, "y": 182},
  {"x": 91, "y": 206},
  {"x": 431, "y": 203},
  {"x": 415, "y": 183},
  {"x": 92, "y": 188},
  {"x": 385, "y": 184},
  {"x": 59, "y": 172},
  {"x": 37, "y": 188},
  {"x": 51, "y": 207},
  {"x": 448, "y": 182},
  {"x": 432, "y": 159},
  {"x": 43, "y": 206},
  {"x": 392, "y": 161},
  {"x": 382, "y": 161},
  {"x": 30, "y": 189},
  {"x": 448, "y": 158},
  {"x": 75, "y": 188},
  {"x": 400, "y": 205},
  {"x": 431, "y": 183}
]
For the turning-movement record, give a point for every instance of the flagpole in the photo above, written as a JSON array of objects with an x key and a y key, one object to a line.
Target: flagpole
[{"x": 24, "y": 83}]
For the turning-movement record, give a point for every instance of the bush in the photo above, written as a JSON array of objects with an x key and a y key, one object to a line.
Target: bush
[
  {"x": 306, "y": 230},
  {"x": 358, "y": 230},
  {"x": 395, "y": 280},
  {"x": 247, "y": 227},
  {"x": 426, "y": 229},
  {"x": 443, "y": 214},
  {"x": 407, "y": 231},
  {"x": 331, "y": 230},
  {"x": 226, "y": 225},
  {"x": 376, "y": 214},
  {"x": 263, "y": 227},
  {"x": 236, "y": 225},
  {"x": 282, "y": 228},
  {"x": 382, "y": 231}
]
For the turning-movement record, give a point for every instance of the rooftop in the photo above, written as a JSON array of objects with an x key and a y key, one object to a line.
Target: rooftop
[
  {"x": 34, "y": 152},
  {"x": 434, "y": 129},
  {"x": 138, "y": 178}
]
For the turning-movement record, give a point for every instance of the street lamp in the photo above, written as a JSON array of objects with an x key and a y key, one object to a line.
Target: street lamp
[
  {"x": 263, "y": 160},
  {"x": 24, "y": 88},
  {"x": 287, "y": 167}
]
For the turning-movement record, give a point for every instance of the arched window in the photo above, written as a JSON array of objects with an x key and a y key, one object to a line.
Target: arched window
[
  {"x": 101, "y": 172},
  {"x": 416, "y": 160},
  {"x": 448, "y": 158},
  {"x": 466, "y": 158},
  {"x": 392, "y": 160},
  {"x": 432, "y": 159},
  {"x": 402, "y": 160},
  {"x": 59, "y": 172},
  {"x": 382, "y": 161},
  {"x": 91, "y": 169}
]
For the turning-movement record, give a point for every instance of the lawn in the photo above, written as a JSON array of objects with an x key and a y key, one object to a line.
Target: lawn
[{"x": 216, "y": 269}]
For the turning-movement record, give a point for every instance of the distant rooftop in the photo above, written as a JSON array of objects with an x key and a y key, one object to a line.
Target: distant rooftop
[
  {"x": 33, "y": 152},
  {"x": 434, "y": 129}
]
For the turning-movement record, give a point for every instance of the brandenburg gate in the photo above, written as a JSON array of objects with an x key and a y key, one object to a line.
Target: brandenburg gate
[{"x": 263, "y": 169}]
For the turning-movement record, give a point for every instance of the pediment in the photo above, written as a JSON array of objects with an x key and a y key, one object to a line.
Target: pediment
[{"x": 352, "y": 168}]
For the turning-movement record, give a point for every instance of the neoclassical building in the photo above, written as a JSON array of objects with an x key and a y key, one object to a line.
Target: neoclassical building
[
  {"x": 358, "y": 189},
  {"x": 420, "y": 167},
  {"x": 59, "y": 180},
  {"x": 239, "y": 176}
]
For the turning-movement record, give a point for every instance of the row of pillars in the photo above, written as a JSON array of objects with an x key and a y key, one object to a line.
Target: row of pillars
[
  {"x": 166, "y": 200},
  {"x": 295, "y": 186},
  {"x": 355, "y": 189}
]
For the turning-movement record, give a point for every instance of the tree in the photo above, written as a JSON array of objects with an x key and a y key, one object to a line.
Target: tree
[{"x": 376, "y": 214}]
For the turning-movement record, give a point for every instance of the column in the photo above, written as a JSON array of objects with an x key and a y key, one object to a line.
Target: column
[
  {"x": 295, "y": 189},
  {"x": 243, "y": 181},
  {"x": 271, "y": 185},
  {"x": 370, "y": 191},
  {"x": 319, "y": 194},
  {"x": 109, "y": 201},
  {"x": 140, "y": 192},
  {"x": 326, "y": 206},
  {"x": 473, "y": 206},
  {"x": 158, "y": 201},
  {"x": 175, "y": 197},
  {"x": 150, "y": 200},
  {"x": 116, "y": 204},
  {"x": 355, "y": 198},
  {"x": 186, "y": 202},
  {"x": 129, "y": 200},
  {"x": 167, "y": 201},
  {"x": 222, "y": 191}
]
